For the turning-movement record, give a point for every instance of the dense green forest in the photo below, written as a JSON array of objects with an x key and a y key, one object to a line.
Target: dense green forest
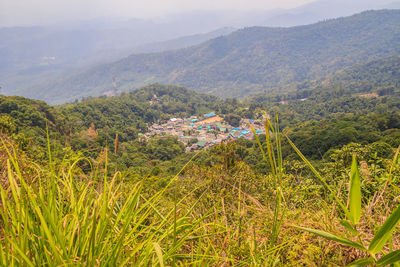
[
  {"x": 380, "y": 77},
  {"x": 327, "y": 119},
  {"x": 91, "y": 125}
]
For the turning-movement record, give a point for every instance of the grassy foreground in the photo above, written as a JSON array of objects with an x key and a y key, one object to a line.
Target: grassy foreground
[{"x": 60, "y": 215}]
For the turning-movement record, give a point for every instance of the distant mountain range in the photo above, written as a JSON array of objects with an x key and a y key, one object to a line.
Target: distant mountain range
[
  {"x": 247, "y": 60},
  {"x": 324, "y": 9},
  {"x": 180, "y": 42},
  {"x": 36, "y": 55},
  {"x": 40, "y": 49}
]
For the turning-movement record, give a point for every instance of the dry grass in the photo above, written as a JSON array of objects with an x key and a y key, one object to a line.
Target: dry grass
[{"x": 210, "y": 120}]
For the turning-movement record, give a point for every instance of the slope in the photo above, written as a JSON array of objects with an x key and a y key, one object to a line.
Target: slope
[
  {"x": 247, "y": 60},
  {"x": 34, "y": 55},
  {"x": 378, "y": 74}
]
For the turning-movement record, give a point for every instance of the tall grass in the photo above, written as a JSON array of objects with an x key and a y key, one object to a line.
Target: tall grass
[
  {"x": 379, "y": 251},
  {"x": 58, "y": 215},
  {"x": 65, "y": 217},
  {"x": 68, "y": 218},
  {"x": 272, "y": 155}
]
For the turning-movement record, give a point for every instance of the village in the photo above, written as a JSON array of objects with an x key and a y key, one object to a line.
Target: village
[{"x": 198, "y": 132}]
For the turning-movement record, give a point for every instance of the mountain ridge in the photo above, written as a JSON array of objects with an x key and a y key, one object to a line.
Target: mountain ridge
[{"x": 249, "y": 59}]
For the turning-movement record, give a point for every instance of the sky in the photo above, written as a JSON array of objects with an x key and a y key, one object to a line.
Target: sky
[{"x": 45, "y": 12}]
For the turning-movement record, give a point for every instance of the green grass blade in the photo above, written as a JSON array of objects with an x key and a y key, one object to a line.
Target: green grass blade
[
  {"x": 318, "y": 176},
  {"x": 348, "y": 226},
  {"x": 258, "y": 140},
  {"x": 394, "y": 161},
  {"x": 332, "y": 237},
  {"x": 48, "y": 143},
  {"x": 271, "y": 155},
  {"x": 21, "y": 253},
  {"x": 361, "y": 262},
  {"x": 384, "y": 233},
  {"x": 390, "y": 258},
  {"x": 355, "y": 193},
  {"x": 158, "y": 250}
]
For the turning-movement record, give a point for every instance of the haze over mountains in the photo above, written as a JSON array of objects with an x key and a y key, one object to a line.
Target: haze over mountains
[
  {"x": 248, "y": 60},
  {"x": 36, "y": 55},
  {"x": 60, "y": 63},
  {"x": 325, "y": 9},
  {"x": 37, "y": 48}
]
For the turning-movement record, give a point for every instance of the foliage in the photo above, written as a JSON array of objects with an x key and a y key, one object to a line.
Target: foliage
[
  {"x": 62, "y": 219},
  {"x": 233, "y": 119},
  {"x": 353, "y": 214}
]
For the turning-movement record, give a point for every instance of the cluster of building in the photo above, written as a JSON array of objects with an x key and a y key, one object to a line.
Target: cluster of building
[{"x": 204, "y": 131}]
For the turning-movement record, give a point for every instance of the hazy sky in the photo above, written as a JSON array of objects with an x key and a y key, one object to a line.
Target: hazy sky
[{"x": 39, "y": 12}]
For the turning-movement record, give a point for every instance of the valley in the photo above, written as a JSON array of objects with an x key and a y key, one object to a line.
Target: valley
[
  {"x": 247, "y": 146},
  {"x": 206, "y": 131}
]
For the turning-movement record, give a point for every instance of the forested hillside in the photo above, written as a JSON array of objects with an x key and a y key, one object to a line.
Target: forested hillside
[
  {"x": 364, "y": 88},
  {"x": 358, "y": 104},
  {"x": 383, "y": 75},
  {"x": 95, "y": 168},
  {"x": 93, "y": 124},
  {"x": 317, "y": 118},
  {"x": 248, "y": 60}
]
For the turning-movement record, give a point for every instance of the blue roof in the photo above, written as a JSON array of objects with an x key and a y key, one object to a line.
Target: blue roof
[
  {"x": 251, "y": 121},
  {"x": 191, "y": 124},
  {"x": 244, "y": 132},
  {"x": 212, "y": 114},
  {"x": 236, "y": 129},
  {"x": 259, "y": 131}
]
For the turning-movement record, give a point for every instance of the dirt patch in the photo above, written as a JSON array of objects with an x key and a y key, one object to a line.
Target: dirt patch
[
  {"x": 211, "y": 120},
  {"x": 369, "y": 95}
]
